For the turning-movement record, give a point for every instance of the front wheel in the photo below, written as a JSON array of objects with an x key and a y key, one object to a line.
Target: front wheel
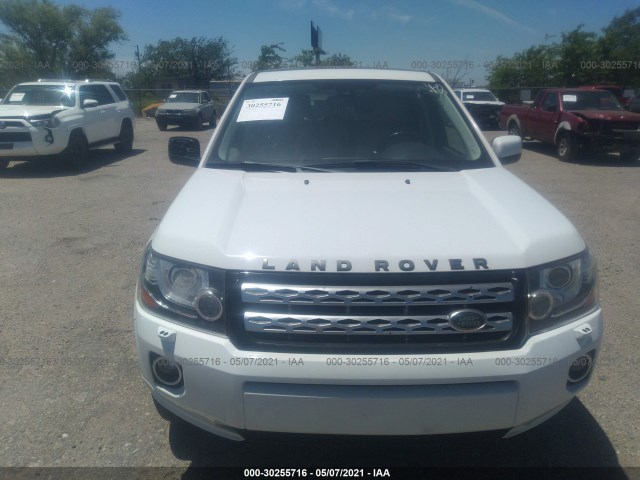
[
  {"x": 162, "y": 126},
  {"x": 4, "y": 163},
  {"x": 567, "y": 148},
  {"x": 77, "y": 152},
  {"x": 514, "y": 129},
  {"x": 197, "y": 123},
  {"x": 125, "y": 143}
]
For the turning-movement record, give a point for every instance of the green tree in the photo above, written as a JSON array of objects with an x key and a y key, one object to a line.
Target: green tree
[
  {"x": 270, "y": 58},
  {"x": 535, "y": 67},
  {"x": 580, "y": 58},
  {"x": 620, "y": 42},
  {"x": 196, "y": 61},
  {"x": 46, "y": 39},
  {"x": 307, "y": 58},
  {"x": 577, "y": 48},
  {"x": 338, "y": 60}
]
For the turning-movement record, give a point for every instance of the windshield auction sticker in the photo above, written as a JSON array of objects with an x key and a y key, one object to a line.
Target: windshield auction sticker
[
  {"x": 263, "y": 109},
  {"x": 16, "y": 97},
  {"x": 569, "y": 98}
]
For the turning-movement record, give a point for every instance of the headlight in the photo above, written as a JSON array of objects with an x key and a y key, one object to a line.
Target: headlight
[
  {"x": 182, "y": 291},
  {"x": 44, "y": 121},
  {"x": 561, "y": 291}
]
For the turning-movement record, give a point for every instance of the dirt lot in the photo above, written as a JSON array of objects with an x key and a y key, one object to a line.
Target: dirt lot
[{"x": 71, "y": 393}]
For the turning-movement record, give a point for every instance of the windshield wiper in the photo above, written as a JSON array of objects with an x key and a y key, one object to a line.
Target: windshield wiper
[
  {"x": 387, "y": 164},
  {"x": 265, "y": 167}
]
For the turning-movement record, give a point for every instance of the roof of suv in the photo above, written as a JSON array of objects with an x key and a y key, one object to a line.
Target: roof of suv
[
  {"x": 67, "y": 82},
  {"x": 471, "y": 90},
  {"x": 343, "y": 74}
]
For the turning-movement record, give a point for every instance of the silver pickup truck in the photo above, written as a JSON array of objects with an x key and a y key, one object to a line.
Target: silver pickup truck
[{"x": 187, "y": 108}]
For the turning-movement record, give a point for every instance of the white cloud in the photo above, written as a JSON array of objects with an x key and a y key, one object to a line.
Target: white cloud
[
  {"x": 292, "y": 4},
  {"x": 332, "y": 9},
  {"x": 398, "y": 16},
  {"x": 493, "y": 13}
]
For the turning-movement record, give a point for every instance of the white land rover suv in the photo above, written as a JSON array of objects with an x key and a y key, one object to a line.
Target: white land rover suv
[
  {"x": 65, "y": 117},
  {"x": 351, "y": 257}
]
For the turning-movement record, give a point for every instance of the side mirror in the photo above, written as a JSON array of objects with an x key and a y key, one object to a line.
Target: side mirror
[
  {"x": 184, "y": 150},
  {"x": 89, "y": 102},
  {"x": 508, "y": 148}
]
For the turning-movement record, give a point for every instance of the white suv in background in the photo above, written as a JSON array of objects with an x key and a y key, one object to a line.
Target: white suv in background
[{"x": 66, "y": 118}]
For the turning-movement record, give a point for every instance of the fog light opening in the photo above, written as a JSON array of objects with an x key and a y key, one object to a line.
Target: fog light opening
[
  {"x": 166, "y": 372},
  {"x": 580, "y": 368},
  {"x": 540, "y": 304}
]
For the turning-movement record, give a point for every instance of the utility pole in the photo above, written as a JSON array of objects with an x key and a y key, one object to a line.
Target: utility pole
[{"x": 139, "y": 89}]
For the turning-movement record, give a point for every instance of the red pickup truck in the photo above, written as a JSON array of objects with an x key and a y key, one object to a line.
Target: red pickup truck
[{"x": 575, "y": 119}]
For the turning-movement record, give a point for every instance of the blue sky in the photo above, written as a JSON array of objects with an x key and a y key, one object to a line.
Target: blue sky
[{"x": 396, "y": 34}]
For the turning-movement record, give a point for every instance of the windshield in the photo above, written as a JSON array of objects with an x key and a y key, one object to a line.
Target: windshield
[
  {"x": 347, "y": 125},
  {"x": 590, "y": 100},
  {"x": 478, "y": 97},
  {"x": 41, "y": 95},
  {"x": 183, "y": 97}
]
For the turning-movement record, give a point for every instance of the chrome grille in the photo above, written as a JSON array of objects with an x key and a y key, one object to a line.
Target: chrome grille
[
  {"x": 361, "y": 312},
  {"x": 364, "y": 325},
  {"x": 370, "y": 295}
]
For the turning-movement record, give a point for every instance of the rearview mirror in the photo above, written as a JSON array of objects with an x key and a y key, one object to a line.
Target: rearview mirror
[
  {"x": 508, "y": 148},
  {"x": 184, "y": 150}
]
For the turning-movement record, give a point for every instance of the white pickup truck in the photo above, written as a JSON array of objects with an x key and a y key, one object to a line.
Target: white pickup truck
[{"x": 351, "y": 257}]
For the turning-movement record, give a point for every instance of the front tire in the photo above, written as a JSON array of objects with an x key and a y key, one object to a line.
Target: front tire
[
  {"x": 77, "y": 152},
  {"x": 162, "y": 126},
  {"x": 514, "y": 129},
  {"x": 567, "y": 148},
  {"x": 4, "y": 163},
  {"x": 197, "y": 123},
  {"x": 125, "y": 144}
]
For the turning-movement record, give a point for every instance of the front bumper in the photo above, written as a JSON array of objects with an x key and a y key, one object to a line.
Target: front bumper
[
  {"x": 227, "y": 391},
  {"x": 175, "y": 118},
  {"x": 32, "y": 141}
]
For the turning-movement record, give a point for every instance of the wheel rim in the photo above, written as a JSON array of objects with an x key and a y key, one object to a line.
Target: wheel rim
[
  {"x": 562, "y": 147},
  {"x": 513, "y": 130}
]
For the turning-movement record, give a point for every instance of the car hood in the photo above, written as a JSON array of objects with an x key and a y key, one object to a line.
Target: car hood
[
  {"x": 25, "y": 111},
  {"x": 609, "y": 115},
  {"x": 178, "y": 106},
  {"x": 287, "y": 221}
]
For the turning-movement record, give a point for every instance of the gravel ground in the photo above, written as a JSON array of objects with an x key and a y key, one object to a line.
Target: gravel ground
[{"x": 71, "y": 393}]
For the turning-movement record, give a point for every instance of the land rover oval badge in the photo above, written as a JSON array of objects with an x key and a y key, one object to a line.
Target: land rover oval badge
[
  {"x": 3, "y": 125},
  {"x": 467, "y": 320}
]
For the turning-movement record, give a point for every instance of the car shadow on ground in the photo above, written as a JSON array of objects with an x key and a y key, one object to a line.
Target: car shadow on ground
[
  {"x": 50, "y": 167},
  {"x": 572, "y": 439},
  {"x": 598, "y": 159}
]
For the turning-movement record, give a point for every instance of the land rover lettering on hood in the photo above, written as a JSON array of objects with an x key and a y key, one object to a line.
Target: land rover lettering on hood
[{"x": 339, "y": 216}]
